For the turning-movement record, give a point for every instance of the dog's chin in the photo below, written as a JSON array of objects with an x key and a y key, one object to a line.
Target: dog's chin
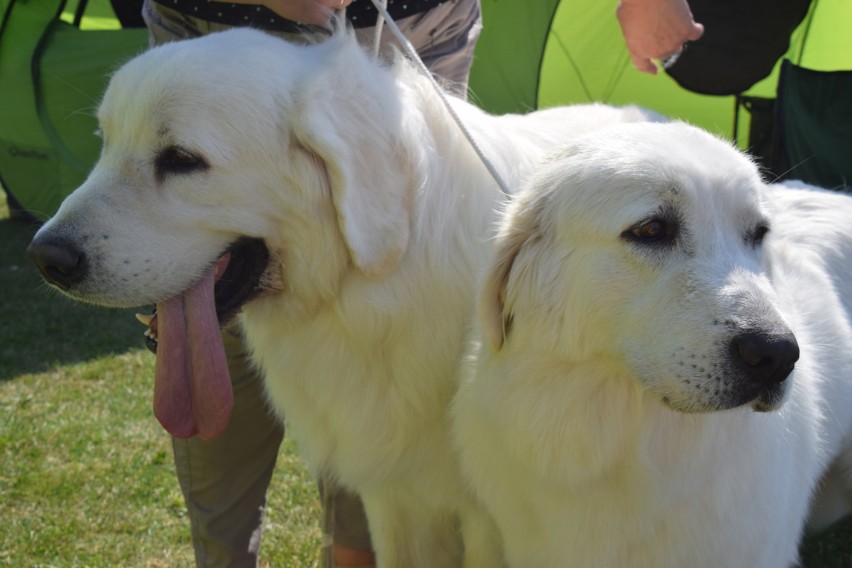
[
  {"x": 759, "y": 399},
  {"x": 241, "y": 281},
  {"x": 770, "y": 399}
]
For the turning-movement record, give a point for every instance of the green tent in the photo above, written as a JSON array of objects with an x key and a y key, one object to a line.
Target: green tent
[
  {"x": 51, "y": 75},
  {"x": 536, "y": 54},
  {"x": 55, "y": 58}
]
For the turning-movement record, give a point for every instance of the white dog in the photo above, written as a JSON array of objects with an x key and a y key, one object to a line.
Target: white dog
[
  {"x": 633, "y": 402},
  {"x": 330, "y": 197}
]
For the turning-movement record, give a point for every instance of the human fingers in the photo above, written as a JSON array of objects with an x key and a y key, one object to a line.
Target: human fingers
[
  {"x": 695, "y": 32},
  {"x": 645, "y": 65},
  {"x": 656, "y": 29}
]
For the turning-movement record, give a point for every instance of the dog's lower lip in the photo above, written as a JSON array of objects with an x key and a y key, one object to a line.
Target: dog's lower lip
[
  {"x": 762, "y": 406},
  {"x": 768, "y": 399},
  {"x": 243, "y": 283}
]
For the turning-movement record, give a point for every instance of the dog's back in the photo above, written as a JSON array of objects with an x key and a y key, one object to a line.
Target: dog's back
[{"x": 812, "y": 261}]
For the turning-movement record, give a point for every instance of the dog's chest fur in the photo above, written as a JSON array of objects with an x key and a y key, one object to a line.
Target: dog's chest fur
[{"x": 622, "y": 481}]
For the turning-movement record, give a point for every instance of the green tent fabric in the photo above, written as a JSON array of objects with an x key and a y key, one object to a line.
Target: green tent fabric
[
  {"x": 815, "y": 126},
  {"x": 544, "y": 53},
  {"x": 51, "y": 75},
  {"x": 532, "y": 54}
]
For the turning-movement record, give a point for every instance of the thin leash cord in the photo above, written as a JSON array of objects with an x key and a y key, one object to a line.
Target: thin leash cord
[
  {"x": 412, "y": 54},
  {"x": 377, "y": 38}
]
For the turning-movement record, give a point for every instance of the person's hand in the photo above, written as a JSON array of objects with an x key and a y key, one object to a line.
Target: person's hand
[
  {"x": 305, "y": 11},
  {"x": 656, "y": 30}
]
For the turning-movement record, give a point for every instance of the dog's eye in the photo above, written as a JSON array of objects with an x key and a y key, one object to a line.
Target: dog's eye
[
  {"x": 655, "y": 231},
  {"x": 755, "y": 237},
  {"x": 177, "y": 160}
]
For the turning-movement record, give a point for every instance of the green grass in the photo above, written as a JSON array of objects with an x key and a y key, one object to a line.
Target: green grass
[{"x": 86, "y": 473}]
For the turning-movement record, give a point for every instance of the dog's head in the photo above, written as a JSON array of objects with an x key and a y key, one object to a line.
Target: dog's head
[
  {"x": 642, "y": 246},
  {"x": 265, "y": 166},
  {"x": 233, "y": 143}
]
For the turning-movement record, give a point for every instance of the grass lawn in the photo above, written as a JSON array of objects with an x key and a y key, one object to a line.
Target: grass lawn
[{"x": 86, "y": 475}]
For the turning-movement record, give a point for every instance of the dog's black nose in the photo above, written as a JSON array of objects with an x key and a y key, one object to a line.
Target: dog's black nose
[
  {"x": 58, "y": 260},
  {"x": 768, "y": 357}
]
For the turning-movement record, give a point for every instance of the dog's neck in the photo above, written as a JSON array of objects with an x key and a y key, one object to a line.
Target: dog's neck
[{"x": 607, "y": 426}]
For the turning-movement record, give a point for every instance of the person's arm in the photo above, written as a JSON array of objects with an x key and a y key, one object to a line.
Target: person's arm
[
  {"x": 656, "y": 29},
  {"x": 305, "y": 11}
]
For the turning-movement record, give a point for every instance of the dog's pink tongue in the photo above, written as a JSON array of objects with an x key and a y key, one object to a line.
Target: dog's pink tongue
[{"x": 192, "y": 390}]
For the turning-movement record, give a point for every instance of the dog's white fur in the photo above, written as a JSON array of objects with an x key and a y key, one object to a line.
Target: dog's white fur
[
  {"x": 593, "y": 421},
  {"x": 377, "y": 215}
]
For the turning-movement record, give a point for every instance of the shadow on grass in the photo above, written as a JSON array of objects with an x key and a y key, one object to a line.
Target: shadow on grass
[{"x": 41, "y": 328}]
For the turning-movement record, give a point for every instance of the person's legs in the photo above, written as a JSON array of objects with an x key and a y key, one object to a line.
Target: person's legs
[
  {"x": 224, "y": 480},
  {"x": 346, "y": 536}
]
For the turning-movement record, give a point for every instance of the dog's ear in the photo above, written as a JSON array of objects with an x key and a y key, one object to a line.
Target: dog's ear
[
  {"x": 496, "y": 316},
  {"x": 370, "y": 178}
]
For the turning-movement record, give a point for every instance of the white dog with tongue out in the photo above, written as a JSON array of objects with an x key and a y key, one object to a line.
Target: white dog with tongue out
[{"x": 348, "y": 218}]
